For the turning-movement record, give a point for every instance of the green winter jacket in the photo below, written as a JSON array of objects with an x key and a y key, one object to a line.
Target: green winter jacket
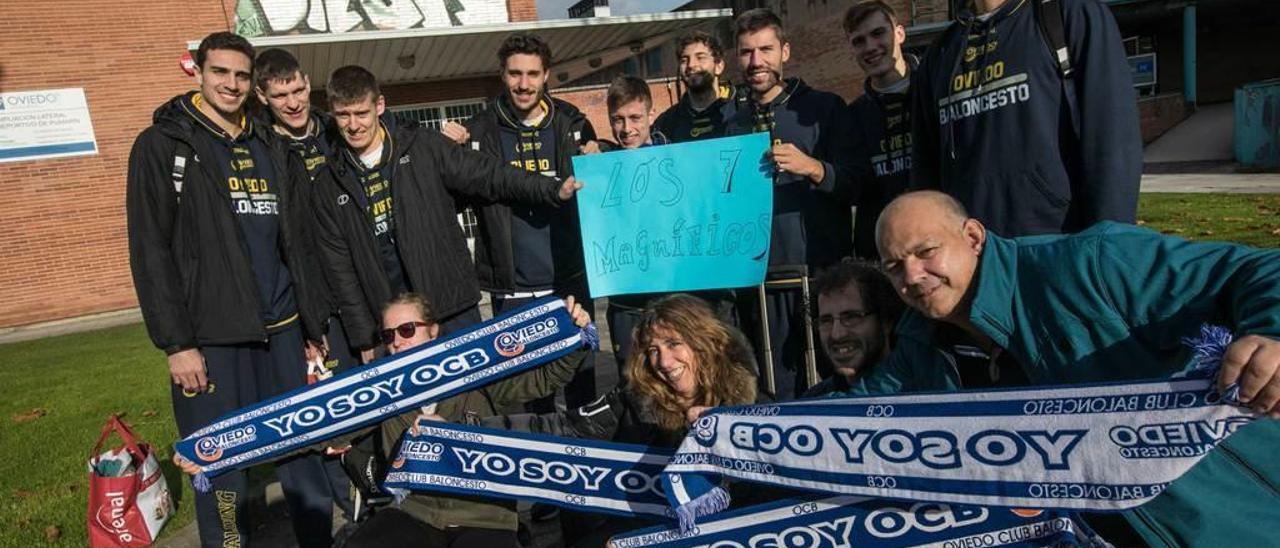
[
  {"x": 442, "y": 510},
  {"x": 1112, "y": 303}
]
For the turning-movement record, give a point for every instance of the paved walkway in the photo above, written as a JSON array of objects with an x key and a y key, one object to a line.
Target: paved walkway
[{"x": 1230, "y": 183}]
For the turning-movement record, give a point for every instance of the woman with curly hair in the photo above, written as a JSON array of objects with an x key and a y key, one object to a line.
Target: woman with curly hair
[{"x": 684, "y": 360}]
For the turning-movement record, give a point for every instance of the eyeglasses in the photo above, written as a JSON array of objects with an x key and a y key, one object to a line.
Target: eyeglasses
[
  {"x": 405, "y": 330},
  {"x": 848, "y": 319}
]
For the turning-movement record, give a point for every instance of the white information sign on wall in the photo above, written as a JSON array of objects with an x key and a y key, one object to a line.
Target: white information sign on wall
[{"x": 49, "y": 123}]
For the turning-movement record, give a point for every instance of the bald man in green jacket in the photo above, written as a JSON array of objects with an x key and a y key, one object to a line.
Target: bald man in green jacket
[{"x": 1111, "y": 303}]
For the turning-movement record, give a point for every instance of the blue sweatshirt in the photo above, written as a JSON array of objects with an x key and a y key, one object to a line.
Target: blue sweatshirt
[{"x": 992, "y": 128}]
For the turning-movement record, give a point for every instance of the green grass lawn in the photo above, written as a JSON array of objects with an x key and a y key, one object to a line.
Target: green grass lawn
[
  {"x": 78, "y": 380},
  {"x": 1252, "y": 219}
]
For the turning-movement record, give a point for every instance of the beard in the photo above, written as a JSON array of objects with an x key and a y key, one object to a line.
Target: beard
[{"x": 699, "y": 81}]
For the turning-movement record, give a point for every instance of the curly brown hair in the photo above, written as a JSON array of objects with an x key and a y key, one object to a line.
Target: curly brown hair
[{"x": 726, "y": 367}]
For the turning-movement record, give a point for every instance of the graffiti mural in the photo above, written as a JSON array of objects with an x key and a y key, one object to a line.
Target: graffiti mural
[{"x": 275, "y": 17}]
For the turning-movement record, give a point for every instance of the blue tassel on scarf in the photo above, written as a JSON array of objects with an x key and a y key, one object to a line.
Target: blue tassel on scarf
[
  {"x": 591, "y": 336},
  {"x": 201, "y": 483},
  {"x": 1210, "y": 348},
  {"x": 713, "y": 501}
]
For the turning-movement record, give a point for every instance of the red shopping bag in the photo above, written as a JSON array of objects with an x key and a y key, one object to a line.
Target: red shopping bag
[{"x": 129, "y": 500}]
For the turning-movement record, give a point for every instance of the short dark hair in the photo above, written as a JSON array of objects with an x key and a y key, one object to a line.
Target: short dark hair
[
  {"x": 416, "y": 300},
  {"x": 625, "y": 89},
  {"x": 700, "y": 37},
  {"x": 756, "y": 19},
  {"x": 874, "y": 287},
  {"x": 275, "y": 64},
  {"x": 223, "y": 40},
  {"x": 858, "y": 13},
  {"x": 526, "y": 43},
  {"x": 351, "y": 84}
]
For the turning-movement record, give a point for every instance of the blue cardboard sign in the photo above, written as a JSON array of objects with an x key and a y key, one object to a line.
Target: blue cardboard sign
[{"x": 676, "y": 217}]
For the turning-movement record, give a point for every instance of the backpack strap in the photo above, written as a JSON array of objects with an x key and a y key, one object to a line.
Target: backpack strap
[
  {"x": 181, "y": 155},
  {"x": 1048, "y": 14}
]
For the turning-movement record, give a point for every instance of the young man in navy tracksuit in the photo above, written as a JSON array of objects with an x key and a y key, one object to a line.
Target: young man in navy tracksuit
[
  {"x": 387, "y": 220},
  {"x": 226, "y": 288},
  {"x": 528, "y": 251},
  {"x": 998, "y": 127},
  {"x": 812, "y": 217},
  {"x": 880, "y": 118},
  {"x": 285, "y": 93}
]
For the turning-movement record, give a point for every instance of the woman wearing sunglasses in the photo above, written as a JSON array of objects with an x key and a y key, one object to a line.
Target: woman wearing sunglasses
[
  {"x": 454, "y": 520},
  {"x": 439, "y": 520}
]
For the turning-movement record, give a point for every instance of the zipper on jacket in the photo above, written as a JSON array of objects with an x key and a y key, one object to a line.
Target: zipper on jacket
[
  {"x": 1158, "y": 532},
  {"x": 1248, "y": 470}
]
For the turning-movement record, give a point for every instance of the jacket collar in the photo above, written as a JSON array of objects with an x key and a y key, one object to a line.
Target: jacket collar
[{"x": 997, "y": 293}]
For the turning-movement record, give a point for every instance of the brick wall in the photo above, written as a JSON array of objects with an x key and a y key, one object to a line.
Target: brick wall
[
  {"x": 523, "y": 10},
  {"x": 62, "y": 223},
  {"x": 591, "y": 101},
  {"x": 1159, "y": 114}
]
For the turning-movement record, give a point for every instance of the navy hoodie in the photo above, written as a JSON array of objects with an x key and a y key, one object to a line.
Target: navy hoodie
[
  {"x": 992, "y": 128},
  {"x": 812, "y": 224},
  {"x": 881, "y": 135}
]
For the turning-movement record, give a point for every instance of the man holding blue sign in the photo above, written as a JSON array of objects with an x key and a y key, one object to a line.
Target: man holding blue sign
[
  {"x": 1107, "y": 304},
  {"x": 810, "y": 153}
]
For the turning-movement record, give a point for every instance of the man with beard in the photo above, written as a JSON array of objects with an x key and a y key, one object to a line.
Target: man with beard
[
  {"x": 706, "y": 103},
  {"x": 527, "y": 251},
  {"x": 226, "y": 288},
  {"x": 812, "y": 217},
  {"x": 880, "y": 118},
  {"x": 857, "y": 311}
]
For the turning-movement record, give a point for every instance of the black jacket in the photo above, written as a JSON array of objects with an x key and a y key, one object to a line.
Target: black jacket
[
  {"x": 880, "y": 130},
  {"x": 811, "y": 223},
  {"x": 495, "y": 258},
  {"x": 427, "y": 174},
  {"x": 189, "y": 258},
  {"x": 681, "y": 123},
  {"x": 1004, "y": 144}
]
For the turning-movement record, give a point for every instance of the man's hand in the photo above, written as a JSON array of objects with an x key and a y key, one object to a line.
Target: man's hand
[
  {"x": 790, "y": 159},
  {"x": 694, "y": 412},
  {"x": 331, "y": 451},
  {"x": 189, "y": 468},
  {"x": 568, "y": 188},
  {"x": 580, "y": 316},
  {"x": 367, "y": 355},
  {"x": 316, "y": 350},
  {"x": 590, "y": 147},
  {"x": 1254, "y": 362},
  {"x": 186, "y": 368},
  {"x": 455, "y": 132}
]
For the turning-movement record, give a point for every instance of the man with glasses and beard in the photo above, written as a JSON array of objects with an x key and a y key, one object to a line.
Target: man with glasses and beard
[
  {"x": 857, "y": 312},
  {"x": 707, "y": 102},
  {"x": 812, "y": 213}
]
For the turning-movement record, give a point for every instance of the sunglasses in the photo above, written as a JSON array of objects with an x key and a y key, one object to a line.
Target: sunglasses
[{"x": 405, "y": 330}]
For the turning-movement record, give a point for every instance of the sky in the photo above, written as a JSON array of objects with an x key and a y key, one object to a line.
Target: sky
[{"x": 559, "y": 9}]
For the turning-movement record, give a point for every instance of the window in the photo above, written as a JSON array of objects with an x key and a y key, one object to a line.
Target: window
[{"x": 433, "y": 116}]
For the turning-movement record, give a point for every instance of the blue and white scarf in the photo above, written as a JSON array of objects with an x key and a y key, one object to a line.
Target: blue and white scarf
[
  {"x": 1096, "y": 447},
  {"x": 606, "y": 477},
  {"x": 844, "y": 521},
  {"x": 516, "y": 342}
]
